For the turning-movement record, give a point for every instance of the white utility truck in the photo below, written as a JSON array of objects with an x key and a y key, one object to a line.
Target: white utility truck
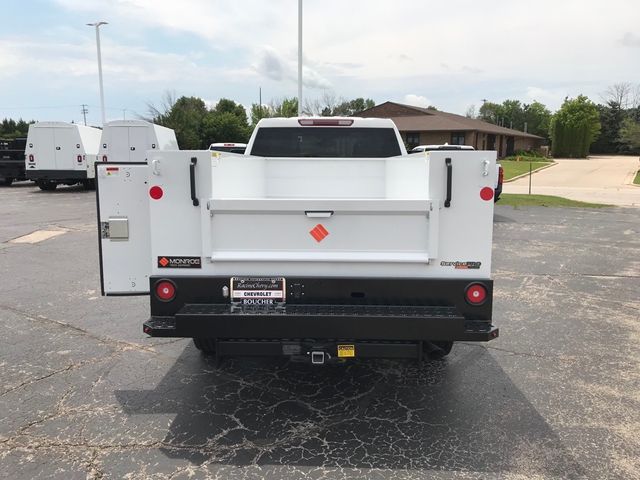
[
  {"x": 61, "y": 153},
  {"x": 129, "y": 140},
  {"x": 325, "y": 241}
]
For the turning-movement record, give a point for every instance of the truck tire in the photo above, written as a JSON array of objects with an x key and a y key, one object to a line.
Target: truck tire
[
  {"x": 89, "y": 184},
  {"x": 206, "y": 345},
  {"x": 47, "y": 186},
  {"x": 7, "y": 181}
]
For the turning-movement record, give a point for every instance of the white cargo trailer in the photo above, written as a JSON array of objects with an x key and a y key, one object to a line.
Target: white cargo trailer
[
  {"x": 129, "y": 140},
  {"x": 326, "y": 241},
  {"x": 61, "y": 153}
]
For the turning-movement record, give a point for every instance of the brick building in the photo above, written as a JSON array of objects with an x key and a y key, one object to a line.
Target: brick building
[{"x": 425, "y": 126}]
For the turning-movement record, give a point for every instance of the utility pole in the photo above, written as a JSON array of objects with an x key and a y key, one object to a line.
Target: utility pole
[
  {"x": 98, "y": 25},
  {"x": 299, "y": 58},
  {"x": 84, "y": 112}
]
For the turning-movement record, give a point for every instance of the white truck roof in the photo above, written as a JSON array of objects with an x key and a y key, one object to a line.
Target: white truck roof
[
  {"x": 129, "y": 140},
  {"x": 327, "y": 121}
]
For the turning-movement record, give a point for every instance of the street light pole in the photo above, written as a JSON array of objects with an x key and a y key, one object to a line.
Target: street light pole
[
  {"x": 97, "y": 25},
  {"x": 299, "y": 58}
]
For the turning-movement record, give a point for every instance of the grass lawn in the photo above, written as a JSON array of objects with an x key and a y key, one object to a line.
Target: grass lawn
[
  {"x": 524, "y": 200},
  {"x": 637, "y": 179},
  {"x": 513, "y": 169}
]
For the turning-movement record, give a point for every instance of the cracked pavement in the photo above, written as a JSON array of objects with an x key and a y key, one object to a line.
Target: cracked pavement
[{"x": 84, "y": 394}]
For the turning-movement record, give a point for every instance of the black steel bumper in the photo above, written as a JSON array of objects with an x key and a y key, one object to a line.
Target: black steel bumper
[
  {"x": 322, "y": 322},
  {"x": 327, "y": 308},
  {"x": 56, "y": 175}
]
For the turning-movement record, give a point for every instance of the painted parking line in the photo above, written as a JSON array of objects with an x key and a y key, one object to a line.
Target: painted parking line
[{"x": 38, "y": 236}]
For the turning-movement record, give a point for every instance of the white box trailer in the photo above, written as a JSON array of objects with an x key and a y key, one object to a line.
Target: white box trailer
[
  {"x": 61, "y": 153},
  {"x": 314, "y": 257},
  {"x": 129, "y": 140}
]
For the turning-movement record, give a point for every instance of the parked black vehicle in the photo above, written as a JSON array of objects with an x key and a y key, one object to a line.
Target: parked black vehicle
[{"x": 12, "y": 160}]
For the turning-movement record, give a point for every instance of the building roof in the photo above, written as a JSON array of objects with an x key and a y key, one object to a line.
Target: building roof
[{"x": 410, "y": 118}]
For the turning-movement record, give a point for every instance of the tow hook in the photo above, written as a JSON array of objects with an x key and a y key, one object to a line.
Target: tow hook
[{"x": 318, "y": 358}]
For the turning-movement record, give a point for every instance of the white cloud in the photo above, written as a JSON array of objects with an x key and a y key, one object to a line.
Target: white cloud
[{"x": 416, "y": 100}]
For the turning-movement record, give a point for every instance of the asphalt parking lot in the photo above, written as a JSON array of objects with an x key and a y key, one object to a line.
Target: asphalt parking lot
[{"x": 84, "y": 394}]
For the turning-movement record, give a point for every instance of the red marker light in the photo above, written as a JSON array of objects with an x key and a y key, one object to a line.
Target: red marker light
[
  {"x": 156, "y": 192},
  {"x": 476, "y": 294},
  {"x": 31, "y": 159},
  {"x": 104, "y": 158},
  {"x": 79, "y": 158},
  {"x": 165, "y": 290},
  {"x": 486, "y": 193}
]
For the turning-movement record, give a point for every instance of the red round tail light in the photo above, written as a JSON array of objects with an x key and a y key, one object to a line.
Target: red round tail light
[
  {"x": 165, "y": 290},
  {"x": 476, "y": 294}
]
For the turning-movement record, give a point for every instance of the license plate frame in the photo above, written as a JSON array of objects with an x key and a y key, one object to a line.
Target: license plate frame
[{"x": 258, "y": 291}]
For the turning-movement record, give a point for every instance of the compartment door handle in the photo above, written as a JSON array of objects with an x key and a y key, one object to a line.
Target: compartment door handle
[
  {"x": 447, "y": 201},
  {"x": 192, "y": 179},
  {"x": 318, "y": 213}
]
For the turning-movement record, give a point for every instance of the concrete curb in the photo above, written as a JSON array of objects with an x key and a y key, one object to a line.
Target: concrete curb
[{"x": 534, "y": 171}]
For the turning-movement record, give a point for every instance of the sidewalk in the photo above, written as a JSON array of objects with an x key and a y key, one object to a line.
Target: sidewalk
[{"x": 598, "y": 179}]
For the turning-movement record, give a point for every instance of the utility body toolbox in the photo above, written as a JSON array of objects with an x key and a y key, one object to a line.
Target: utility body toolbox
[
  {"x": 129, "y": 140},
  {"x": 61, "y": 153},
  {"x": 318, "y": 258}
]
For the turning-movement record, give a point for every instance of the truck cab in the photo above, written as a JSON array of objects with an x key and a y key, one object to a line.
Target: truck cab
[{"x": 325, "y": 242}]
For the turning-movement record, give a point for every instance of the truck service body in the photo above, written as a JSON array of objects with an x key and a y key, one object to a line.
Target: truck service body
[
  {"x": 325, "y": 241},
  {"x": 61, "y": 153},
  {"x": 129, "y": 140}
]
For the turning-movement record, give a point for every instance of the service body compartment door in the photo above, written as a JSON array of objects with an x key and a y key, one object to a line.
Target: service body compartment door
[
  {"x": 123, "y": 228},
  {"x": 138, "y": 143},
  {"x": 66, "y": 139}
]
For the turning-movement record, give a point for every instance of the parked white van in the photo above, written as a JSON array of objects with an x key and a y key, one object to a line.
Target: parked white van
[
  {"x": 61, "y": 153},
  {"x": 129, "y": 140}
]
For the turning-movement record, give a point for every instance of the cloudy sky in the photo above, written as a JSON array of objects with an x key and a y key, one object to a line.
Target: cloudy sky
[{"x": 449, "y": 54}]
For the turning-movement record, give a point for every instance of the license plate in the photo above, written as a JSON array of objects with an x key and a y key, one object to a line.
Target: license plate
[
  {"x": 346, "y": 351},
  {"x": 258, "y": 290}
]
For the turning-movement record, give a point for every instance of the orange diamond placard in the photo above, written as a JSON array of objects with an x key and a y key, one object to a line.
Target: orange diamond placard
[{"x": 319, "y": 232}]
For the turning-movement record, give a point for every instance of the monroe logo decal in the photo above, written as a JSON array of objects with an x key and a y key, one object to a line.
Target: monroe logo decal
[
  {"x": 179, "y": 262},
  {"x": 462, "y": 265}
]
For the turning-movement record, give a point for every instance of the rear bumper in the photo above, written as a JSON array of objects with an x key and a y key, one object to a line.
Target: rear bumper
[
  {"x": 328, "y": 308},
  {"x": 57, "y": 175}
]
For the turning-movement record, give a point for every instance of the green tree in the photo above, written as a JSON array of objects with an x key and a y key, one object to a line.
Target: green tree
[
  {"x": 288, "y": 107},
  {"x": 225, "y": 105},
  {"x": 10, "y": 128},
  {"x": 612, "y": 117},
  {"x": 349, "y": 108},
  {"x": 537, "y": 117},
  {"x": 258, "y": 112},
  {"x": 185, "y": 116},
  {"x": 224, "y": 127},
  {"x": 574, "y": 127},
  {"x": 630, "y": 135}
]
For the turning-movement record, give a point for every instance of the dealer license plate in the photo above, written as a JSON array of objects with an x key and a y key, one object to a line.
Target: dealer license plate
[{"x": 258, "y": 290}]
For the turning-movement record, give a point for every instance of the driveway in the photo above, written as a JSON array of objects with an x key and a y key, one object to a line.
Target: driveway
[{"x": 599, "y": 179}]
